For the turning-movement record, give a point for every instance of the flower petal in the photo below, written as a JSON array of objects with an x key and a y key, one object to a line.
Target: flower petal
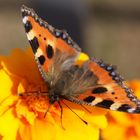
[
  {"x": 22, "y": 63},
  {"x": 9, "y": 125},
  {"x": 26, "y": 115},
  {"x": 6, "y": 85},
  {"x": 114, "y": 132},
  {"x": 23, "y": 113},
  {"x": 40, "y": 130}
]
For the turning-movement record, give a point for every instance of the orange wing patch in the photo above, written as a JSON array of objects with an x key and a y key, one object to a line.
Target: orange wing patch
[{"x": 44, "y": 38}]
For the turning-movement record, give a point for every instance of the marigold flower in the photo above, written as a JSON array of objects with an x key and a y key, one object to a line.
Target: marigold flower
[
  {"x": 123, "y": 126},
  {"x": 22, "y": 118}
]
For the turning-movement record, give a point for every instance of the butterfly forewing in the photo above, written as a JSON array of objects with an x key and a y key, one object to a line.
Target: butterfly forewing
[{"x": 44, "y": 39}]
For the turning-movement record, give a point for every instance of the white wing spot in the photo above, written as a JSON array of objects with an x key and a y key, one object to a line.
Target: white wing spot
[
  {"x": 30, "y": 35},
  {"x": 131, "y": 110},
  {"x": 96, "y": 101},
  {"x": 25, "y": 19},
  {"x": 39, "y": 52},
  {"x": 115, "y": 106}
]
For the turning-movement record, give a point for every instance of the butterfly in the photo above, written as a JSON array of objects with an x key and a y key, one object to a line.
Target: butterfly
[{"x": 93, "y": 83}]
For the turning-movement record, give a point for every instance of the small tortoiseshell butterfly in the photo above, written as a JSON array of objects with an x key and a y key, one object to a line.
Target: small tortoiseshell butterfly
[{"x": 93, "y": 83}]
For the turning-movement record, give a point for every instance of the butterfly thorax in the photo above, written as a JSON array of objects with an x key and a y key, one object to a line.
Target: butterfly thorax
[{"x": 70, "y": 83}]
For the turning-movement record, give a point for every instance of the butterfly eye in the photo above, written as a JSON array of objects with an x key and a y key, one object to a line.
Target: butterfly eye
[
  {"x": 99, "y": 90},
  {"x": 49, "y": 51}
]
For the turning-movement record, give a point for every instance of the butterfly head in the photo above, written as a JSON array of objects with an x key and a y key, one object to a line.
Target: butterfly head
[{"x": 53, "y": 96}]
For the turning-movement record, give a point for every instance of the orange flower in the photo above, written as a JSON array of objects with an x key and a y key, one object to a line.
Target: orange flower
[
  {"x": 124, "y": 126},
  {"x": 22, "y": 118}
]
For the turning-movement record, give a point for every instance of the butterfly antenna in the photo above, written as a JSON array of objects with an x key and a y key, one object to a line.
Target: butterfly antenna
[
  {"x": 75, "y": 113},
  {"x": 32, "y": 93},
  {"x": 86, "y": 109},
  {"x": 61, "y": 114}
]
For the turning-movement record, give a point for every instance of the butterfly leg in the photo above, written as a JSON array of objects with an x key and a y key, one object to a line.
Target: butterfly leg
[
  {"x": 47, "y": 110},
  {"x": 61, "y": 114},
  {"x": 85, "y": 108}
]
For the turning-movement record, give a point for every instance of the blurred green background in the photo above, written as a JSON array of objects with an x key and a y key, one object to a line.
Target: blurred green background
[{"x": 109, "y": 29}]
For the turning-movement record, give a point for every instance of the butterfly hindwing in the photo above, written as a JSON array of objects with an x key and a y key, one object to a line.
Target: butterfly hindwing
[
  {"x": 44, "y": 39},
  {"x": 110, "y": 92}
]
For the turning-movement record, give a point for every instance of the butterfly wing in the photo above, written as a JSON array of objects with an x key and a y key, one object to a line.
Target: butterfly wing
[
  {"x": 50, "y": 45},
  {"x": 110, "y": 92},
  {"x": 46, "y": 41}
]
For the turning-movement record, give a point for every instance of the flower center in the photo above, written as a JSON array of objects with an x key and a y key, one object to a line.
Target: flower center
[{"x": 35, "y": 97}]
